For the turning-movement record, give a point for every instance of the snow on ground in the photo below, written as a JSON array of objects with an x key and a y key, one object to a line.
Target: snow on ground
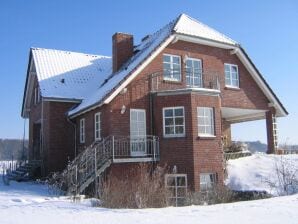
[
  {"x": 31, "y": 203},
  {"x": 253, "y": 172}
]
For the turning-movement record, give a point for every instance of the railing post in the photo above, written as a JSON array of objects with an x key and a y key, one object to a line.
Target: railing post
[
  {"x": 76, "y": 185},
  {"x": 95, "y": 161},
  {"x": 113, "y": 147},
  {"x": 154, "y": 152}
]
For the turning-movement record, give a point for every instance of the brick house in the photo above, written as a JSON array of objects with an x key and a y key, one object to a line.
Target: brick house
[{"x": 169, "y": 100}]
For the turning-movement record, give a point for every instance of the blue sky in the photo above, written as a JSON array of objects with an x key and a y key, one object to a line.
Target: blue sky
[{"x": 268, "y": 30}]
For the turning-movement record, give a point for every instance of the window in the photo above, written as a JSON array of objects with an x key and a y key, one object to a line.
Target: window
[
  {"x": 207, "y": 181},
  {"x": 171, "y": 67},
  {"x": 177, "y": 186},
  {"x": 173, "y": 122},
  {"x": 82, "y": 130},
  {"x": 36, "y": 95},
  {"x": 97, "y": 130},
  {"x": 205, "y": 121},
  {"x": 193, "y": 72},
  {"x": 231, "y": 75}
]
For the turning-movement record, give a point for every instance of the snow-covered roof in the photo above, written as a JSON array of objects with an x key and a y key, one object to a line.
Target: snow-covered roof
[
  {"x": 143, "y": 50},
  {"x": 69, "y": 75},
  {"x": 182, "y": 25},
  {"x": 89, "y": 78},
  {"x": 190, "y": 26}
]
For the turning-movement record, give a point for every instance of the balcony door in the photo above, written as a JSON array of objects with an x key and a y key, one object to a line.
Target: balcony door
[
  {"x": 194, "y": 73},
  {"x": 137, "y": 132}
]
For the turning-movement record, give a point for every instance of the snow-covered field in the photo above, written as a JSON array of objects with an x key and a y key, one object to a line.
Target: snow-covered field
[
  {"x": 256, "y": 171},
  {"x": 30, "y": 203}
]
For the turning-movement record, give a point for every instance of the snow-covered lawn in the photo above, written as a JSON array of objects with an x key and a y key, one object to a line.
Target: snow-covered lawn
[
  {"x": 31, "y": 203},
  {"x": 254, "y": 172}
]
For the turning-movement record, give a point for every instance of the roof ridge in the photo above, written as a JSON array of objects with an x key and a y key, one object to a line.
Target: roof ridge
[
  {"x": 72, "y": 52},
  {"x": 205, "y": 25}
]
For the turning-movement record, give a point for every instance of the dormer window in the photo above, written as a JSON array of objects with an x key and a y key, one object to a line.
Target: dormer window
[
  {"x": 231, "y": 76},
  {"x": 171, "y": 67}
]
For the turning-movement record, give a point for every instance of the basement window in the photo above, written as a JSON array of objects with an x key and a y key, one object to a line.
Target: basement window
[
  {"x": 208, "y": 181},
  {"x": 97, "y": 130},
  {"x": 231, "y": 76},
  {"x": 171, "y": 67},
  {"x": 173, "y": 122},
  {"x": 82, "y": 130},
  {"x": 176, "y": 184}
]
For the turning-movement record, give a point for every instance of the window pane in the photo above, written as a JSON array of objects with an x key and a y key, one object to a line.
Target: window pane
[
  {"x": 201, "y": 120},
  {"x": 179, "y": 121},
  {"x": 169, "y": 121},
  {"x": 177, "y": 76},
  {"x": 179, "y": 112},
  {"x": 169, "y": 130},
  {"x": 181, "y": 181},
  {"x": 179, "y": 129},
  {"x": 166, "y": 58},
  {"x": 227, "y": 68},
  {"x": 234, "y": 69},
  {"x": 170, "y": 181},
  {"x": 189, "y": 63},
  {"x": 176, "y": 59},
  {"x": 234, "y": 75},
  {"x": 201, "y": 112},
  {"x": 168, "y": 113},
  {"x": 234, "y": 82}
]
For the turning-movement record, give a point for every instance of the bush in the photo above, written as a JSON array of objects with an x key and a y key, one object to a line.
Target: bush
[
  {"x": 218, "y": 194},
  {"x": 284, "y": 180},
  {"x": 141, "y": 188}
]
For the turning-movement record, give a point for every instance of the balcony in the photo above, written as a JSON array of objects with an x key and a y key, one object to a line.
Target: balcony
[
  {"x": 188, "y": 79},
  {"x": 133, "y": 149}
]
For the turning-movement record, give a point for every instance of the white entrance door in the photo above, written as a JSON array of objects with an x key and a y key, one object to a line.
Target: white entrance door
[{"x": 137, "y": 132}]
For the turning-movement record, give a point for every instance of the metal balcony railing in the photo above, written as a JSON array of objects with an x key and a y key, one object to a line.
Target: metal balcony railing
[{"x": 184, "y": 79}]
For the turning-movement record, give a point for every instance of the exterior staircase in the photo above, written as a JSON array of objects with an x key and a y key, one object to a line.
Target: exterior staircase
[
  {"x": 88, "y": 165},
  {"x": 24, "y": 172},
  {"x": 95, "y": 159}
]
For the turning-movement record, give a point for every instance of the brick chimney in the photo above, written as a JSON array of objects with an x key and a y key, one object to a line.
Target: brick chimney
[{"x": 122, "y": 49}]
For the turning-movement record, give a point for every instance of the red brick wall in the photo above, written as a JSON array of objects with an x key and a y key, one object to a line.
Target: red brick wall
[
  {"x": 191, "y": 154},
  {"x": 122, "y": 49},
  {"x": 58, "y": 137},
  {"x": 208, "y": 153},
  {"x": 248, "y": 96},
  {"x": 34, "y": 117}
]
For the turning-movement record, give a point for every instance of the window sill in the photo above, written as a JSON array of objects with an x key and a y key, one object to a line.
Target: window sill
[
  {"x": 206, "y": 136},
  {"x": 173, "y": 136},
  {"x": 175, "y": 81},
  {"x": 232, "y": 88}
]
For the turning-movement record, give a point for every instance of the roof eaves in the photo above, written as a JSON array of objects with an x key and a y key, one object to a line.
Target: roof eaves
[{"x": 26, "y": 84}]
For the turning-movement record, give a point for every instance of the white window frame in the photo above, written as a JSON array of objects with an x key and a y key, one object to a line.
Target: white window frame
[
  {"x": 204, "y": 182},
  {"x": 82, "y": 130},
  {"x": 230, "y": 84},
  {"x": 174, "y": 125},
  {"x": 191, "y": 76},
  {"x": 172, "y": 69},
  {"x": 97, "y": 132},
  {"x": 176, "y": 186},
  {"x": 205, "y": 124}
]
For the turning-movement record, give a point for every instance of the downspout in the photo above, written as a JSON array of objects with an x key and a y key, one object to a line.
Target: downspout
[{"x": 42, "y": 139}]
